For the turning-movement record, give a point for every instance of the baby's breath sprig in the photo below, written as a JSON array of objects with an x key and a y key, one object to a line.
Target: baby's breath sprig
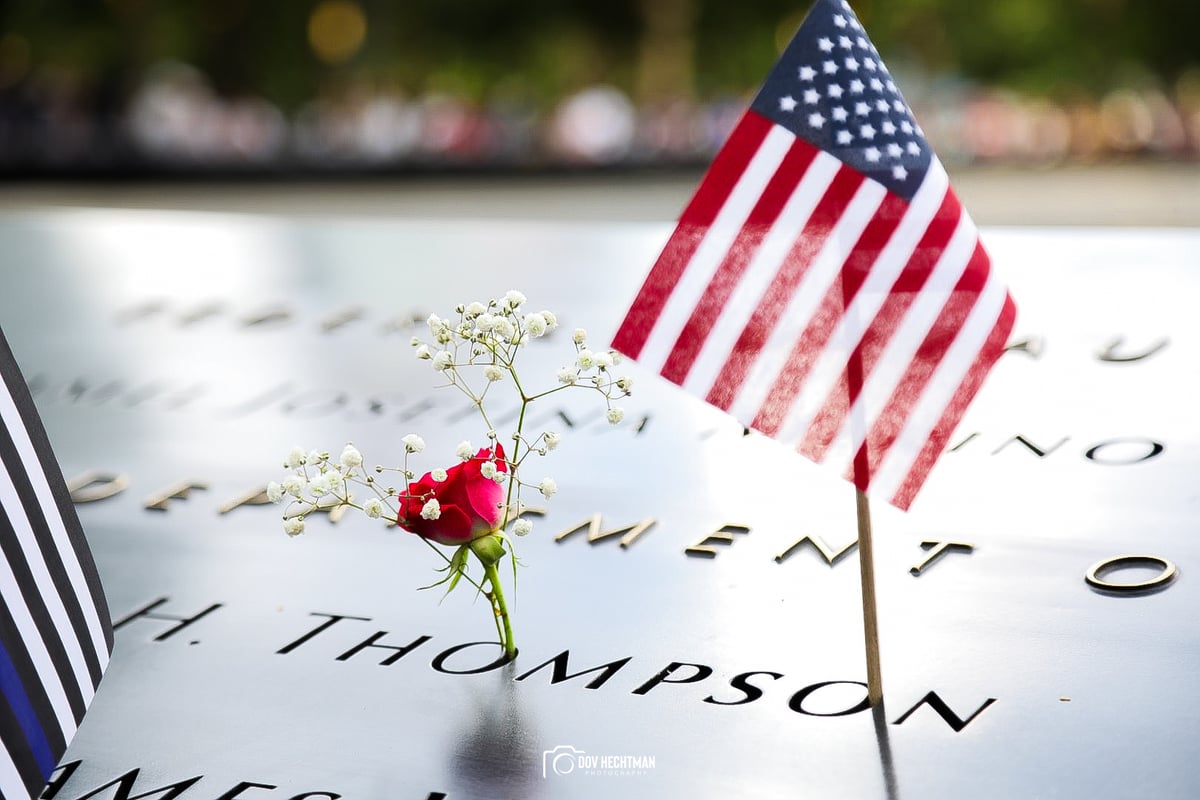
[{"x": 471, "y": 504}]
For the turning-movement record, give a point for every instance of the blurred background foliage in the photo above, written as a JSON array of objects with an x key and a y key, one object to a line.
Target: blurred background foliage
[{"x": 99, "y": 81}]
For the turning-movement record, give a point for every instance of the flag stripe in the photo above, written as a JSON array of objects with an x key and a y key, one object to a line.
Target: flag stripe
[
  {"x": 13, "y": 782},
  {"x": 67, "y": 546},
  {"x": 937, "y": 438},
  {"x": 31, "y": 684},
  {"x": 700, "y": 214},
  {"x": 958, "y": 360},
  {"x": 744, "y": 364},
  {"x": 28, "y": 564},
  {"x": 948, "y": 316},
  {"x": 839, "y": 222},
  {"x": 30, "y": 637},
  {"x": 928, "y": 329},
  {"x": 868, "y": 276},
  {"x": 19, "y": 720},
  {"x": 728, "y": 333},
  {"x": 731, "y": 269},
  {"x": 717, "y": 240},
  {"x": 888, "y": 343},
  {"x": 41, "y": 725}
]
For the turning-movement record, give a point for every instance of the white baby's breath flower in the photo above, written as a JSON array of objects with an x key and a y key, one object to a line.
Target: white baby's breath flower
[
  {"x": 319, "y": 487},
  {"x": 475, "y": 309},
  {"x": 604, "y": 360},
  {"x": 625, "y": 384},
  {"x": 435, "y": 323},
  {"x": 432, "y": 509},
  {"x": 293, "y": 485},
  {"x": 547, "y": 487},
  {"x": 414, "y": 341},
  {"x": 567, "y": 376},
  {"x": 551, "y": 320},
  {"x": 586, "y": 359},
  {"x": 422, "y": 352},
  {"x": 350, "y": 456},
  {"x": 438, "y": 475},
  {"x": 485, "y": 323},
  {"x": 315, "y": 457},
  {"x": 443, "y": 360},
  {"x": 492, "y": 372},
  {"x": 274, "y": 492},
  {"x": 488, "y": 470},
  {"x": 551, "y": 439},
  {"x": 373, "y": 508},
  {"x": 413, "y": 443},
  {"x": 504, "y": 329},
  {"x": 522, "y": 527},
  {"x": 536, "y": 325},
  {"x": 335, "y": 480},
  {"x": 464, "y": 450},
  {"x": 615, "y": 415},
  {"x": 580, "y": 336},
  {"x": 514, "y": 299},
  {"x": 295, "y": 458},
  {"x": 293, "y": 526}
]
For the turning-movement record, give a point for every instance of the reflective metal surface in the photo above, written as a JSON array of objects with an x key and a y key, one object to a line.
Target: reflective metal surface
[{"x": 195, "y": 349}]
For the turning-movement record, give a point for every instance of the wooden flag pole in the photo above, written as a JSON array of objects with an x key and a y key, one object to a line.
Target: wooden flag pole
[{"x": 866, "y": 563}]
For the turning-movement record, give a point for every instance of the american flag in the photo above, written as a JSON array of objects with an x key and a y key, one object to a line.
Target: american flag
[
  {"x": 55, "y": 632},
  {"x": 824, "y": 285}
]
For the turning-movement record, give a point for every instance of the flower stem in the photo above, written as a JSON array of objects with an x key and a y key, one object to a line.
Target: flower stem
[{"x": 504, "y": 626}]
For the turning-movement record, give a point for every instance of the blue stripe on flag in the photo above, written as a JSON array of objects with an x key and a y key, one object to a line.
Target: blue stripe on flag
[{"x": 14, "y": 693}]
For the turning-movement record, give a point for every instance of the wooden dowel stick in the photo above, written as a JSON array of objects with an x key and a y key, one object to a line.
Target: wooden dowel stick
[{"x": 866, "y": 562}]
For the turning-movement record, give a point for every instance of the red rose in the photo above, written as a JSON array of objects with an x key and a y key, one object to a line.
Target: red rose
[{"x": 470, "y": 505}]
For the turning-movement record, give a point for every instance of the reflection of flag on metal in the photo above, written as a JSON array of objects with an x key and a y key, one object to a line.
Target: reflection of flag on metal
[
  {"x": 55, "y": 633},
  {"x": 824, "y": 285}
]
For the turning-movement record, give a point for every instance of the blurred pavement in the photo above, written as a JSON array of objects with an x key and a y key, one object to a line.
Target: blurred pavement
[{"x": 1135, "y": 194}]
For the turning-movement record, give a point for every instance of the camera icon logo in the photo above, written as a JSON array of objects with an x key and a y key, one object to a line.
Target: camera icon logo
[{"x": 559, "y": 761}]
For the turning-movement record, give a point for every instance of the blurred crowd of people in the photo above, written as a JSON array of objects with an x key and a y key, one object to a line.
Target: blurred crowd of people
[{"x": 175, "y": 121}]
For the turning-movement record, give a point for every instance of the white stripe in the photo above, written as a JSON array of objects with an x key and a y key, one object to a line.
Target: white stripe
[
  {"x": 11, "y": 784},
  {"x": 58, "y": 531},
  {"x": 894, "y": 361},
  {"x": 944, "y": 382},
  {"x": 861, "y": 312},
  {"x": 36, "y": 648},
  {"x": 805, "y": 299},
  {"x": 747, "y": 295},
  {"x": 11, "y": 502},
  {"x": 716, "y": 243}
]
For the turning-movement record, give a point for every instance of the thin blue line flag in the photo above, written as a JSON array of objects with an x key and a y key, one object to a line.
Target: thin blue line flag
[{"x": 55, "y": 632}]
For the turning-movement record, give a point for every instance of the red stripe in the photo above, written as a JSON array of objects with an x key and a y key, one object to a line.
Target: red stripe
[
  {"x": 718, "y": 182},
  {"x": 895, "y": 413},
  {"x": 830, "y": 419},
  {"x": 745, "y": 245},
  {"x": 992, "y": 349},
  {"x": 829, "y": 313},
  {"x": 808, "y": 244}
]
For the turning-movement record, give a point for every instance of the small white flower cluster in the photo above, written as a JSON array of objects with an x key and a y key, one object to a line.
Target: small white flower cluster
[
  {"x": 485, "y": 335},
  {"x": 318, "y": 483},
  {"x": 593, "y": 370}
]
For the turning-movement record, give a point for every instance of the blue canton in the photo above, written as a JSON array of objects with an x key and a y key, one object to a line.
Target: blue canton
[{"x": 831, "y": 89}]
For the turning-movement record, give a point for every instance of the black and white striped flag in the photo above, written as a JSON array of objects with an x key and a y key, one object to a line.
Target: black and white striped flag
[{"x": 55, "y": 632}]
